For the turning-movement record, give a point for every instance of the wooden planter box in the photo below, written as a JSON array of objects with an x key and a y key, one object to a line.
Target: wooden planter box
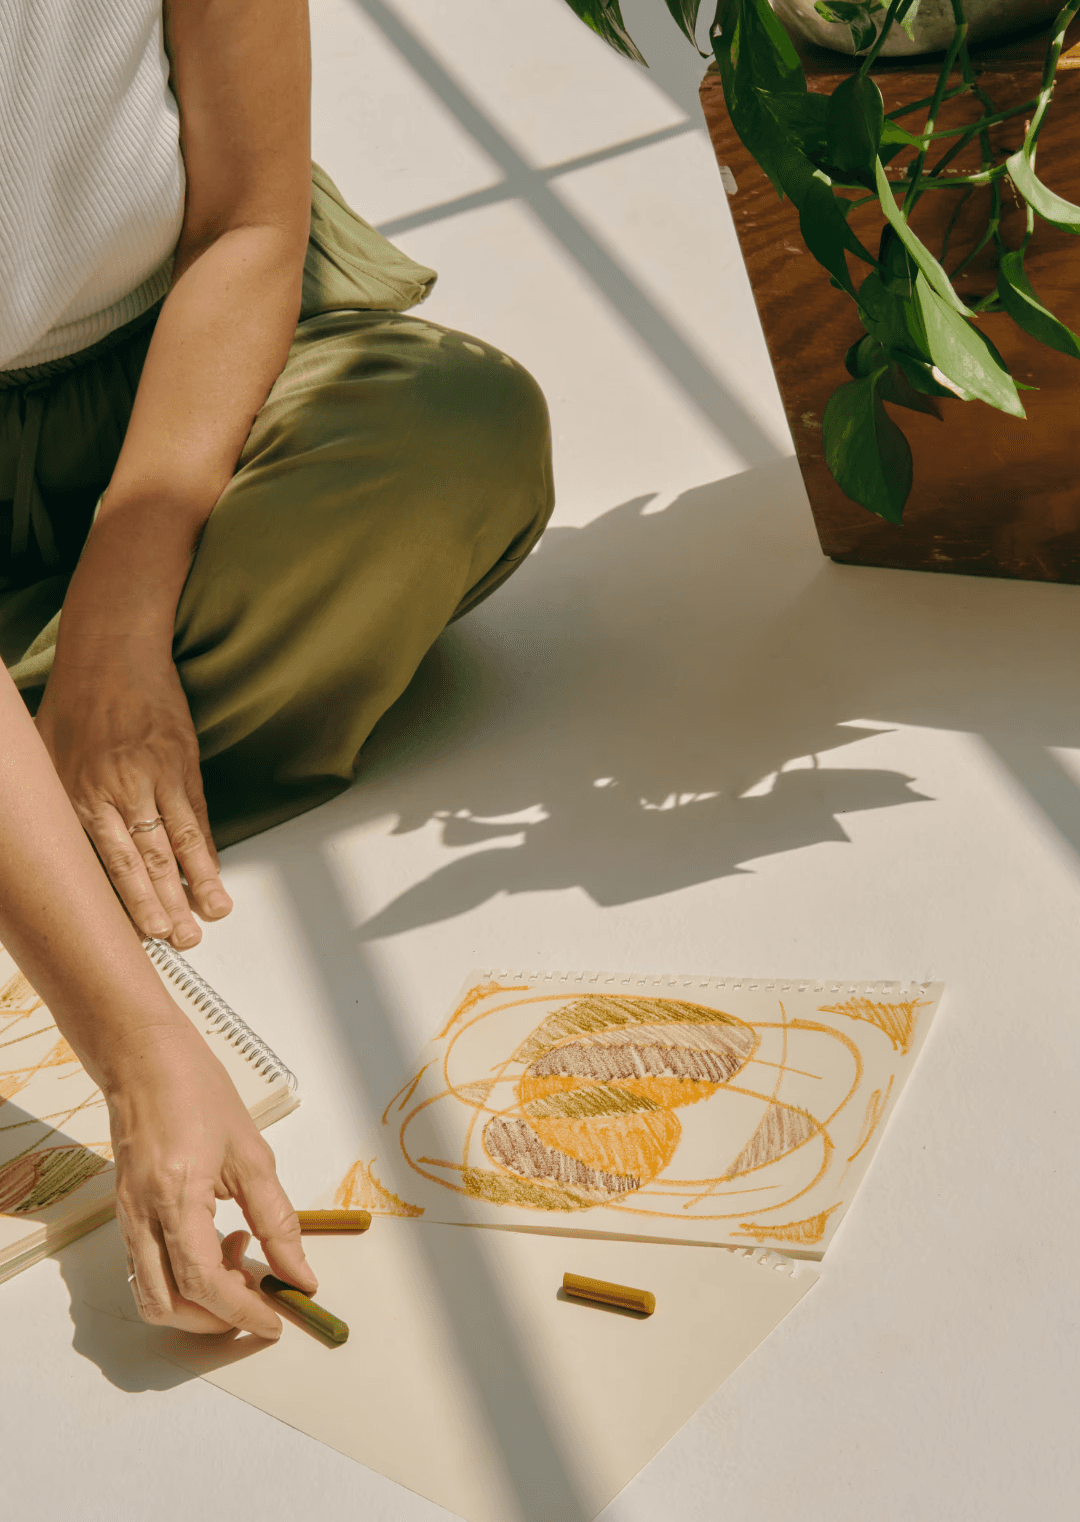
[{"x": 993, "y": 495}]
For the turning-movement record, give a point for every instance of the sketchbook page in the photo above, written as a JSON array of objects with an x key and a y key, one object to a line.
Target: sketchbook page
[
  {"x": 683, "y": 1109},
  {"x": 469, "y": 1377},
  {"x": 56, "y": 1174}
]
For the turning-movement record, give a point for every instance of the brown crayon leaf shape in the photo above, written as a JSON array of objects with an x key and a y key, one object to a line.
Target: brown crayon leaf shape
[{"x": 603, "y": 1079}]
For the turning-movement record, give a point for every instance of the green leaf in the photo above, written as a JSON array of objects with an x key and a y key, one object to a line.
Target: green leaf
[
  {"x": 864, "y": 357},
  {"x": 766, "y": 30},
  {"x": 856, "y": 115},
  {"x": 685, "y": 13},
  {"x": 935, "y": 275},
  {"x": 895, "y": 387},
  {"x": 893, "y": 320},
  {"x": 867, "y": 455},
  {"x": 867, "y": 355},
  {"x": 964, "y": 355},
  {"x": 822, "y": 215},
  {"x": 754, "y": 53},
  {"x": 1049, "y": 206},
  {"x": 918, "y": 373},
  {"x": 802, "y": 117},
  {"x": 856, "y": 15},
  {"x": 893, "y": 135},
  {"x": 906, "y": 17},
  {"x": 1027, "y": 311},
  {"x": 898, "y": 268},
  {"x": 605, "y": 18}
]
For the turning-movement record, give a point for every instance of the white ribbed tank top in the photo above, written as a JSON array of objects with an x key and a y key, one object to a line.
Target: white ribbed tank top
[{"x": 91, "y": 174}]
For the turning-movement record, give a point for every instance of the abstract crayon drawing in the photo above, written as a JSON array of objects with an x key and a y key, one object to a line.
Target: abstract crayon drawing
[
  {"x": 743, "y": 1115},
  {"x": 45, "y": 1159}
]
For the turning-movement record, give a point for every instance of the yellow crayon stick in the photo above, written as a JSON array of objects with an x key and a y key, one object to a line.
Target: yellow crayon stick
[
  {"x": 622, "y": 1295},
  {"x": 314, "y": 1316},
  {"x": 334, "y": 1220}
]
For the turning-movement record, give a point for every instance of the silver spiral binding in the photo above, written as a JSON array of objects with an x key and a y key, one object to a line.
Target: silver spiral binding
[
  {"x": 219, "y": 1014},
  {"x": 634, "y": 982}
]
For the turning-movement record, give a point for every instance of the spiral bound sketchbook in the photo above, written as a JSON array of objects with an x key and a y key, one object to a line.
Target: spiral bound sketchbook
[
  {"x": 56, "y": 1170},
  {"x": 734, "y": 1111}
]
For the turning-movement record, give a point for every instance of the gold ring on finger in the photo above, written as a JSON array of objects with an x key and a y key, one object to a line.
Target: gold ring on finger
[{"x": 144, "y": 824}]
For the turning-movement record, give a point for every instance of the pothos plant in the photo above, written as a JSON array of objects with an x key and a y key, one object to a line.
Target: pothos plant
[{"x": 921, "y": 338}]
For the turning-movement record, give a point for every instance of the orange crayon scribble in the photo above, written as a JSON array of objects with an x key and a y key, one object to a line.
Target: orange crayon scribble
[
  {"x": 796, "y": 1233},
  {"x": 361, "y": 1190},
  {"x": 12, "y": 1082},
  {"x": 404, "y": 1094},
  {"x": 476, "y": 996},
  {"x": 59, "y": 1055},
  {"x": 18, "y": 997},
  {"x": 896, "y": 1020},
  {"x": 875, "y": 1109},
  {"x": 639, "y": 1145}
]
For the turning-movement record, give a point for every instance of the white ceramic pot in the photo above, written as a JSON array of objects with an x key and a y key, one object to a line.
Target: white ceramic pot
[{"x": 933, "y": 28}]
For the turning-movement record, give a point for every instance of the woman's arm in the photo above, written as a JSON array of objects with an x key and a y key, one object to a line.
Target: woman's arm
[
  {"x": 181, "y": 1135},
  {"x": 114, "y": 716}
]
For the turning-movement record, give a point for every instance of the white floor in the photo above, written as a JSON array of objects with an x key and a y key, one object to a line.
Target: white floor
[{"x": 678, "y": 740}]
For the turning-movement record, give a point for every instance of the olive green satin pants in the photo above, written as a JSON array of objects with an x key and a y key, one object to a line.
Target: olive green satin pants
[{"x": 396, "y": 474}]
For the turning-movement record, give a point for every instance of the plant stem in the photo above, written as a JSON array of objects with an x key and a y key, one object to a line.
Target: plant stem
[
  {"x": 971, "y": 128},
  {"x": 990, "y": 114},
  {"x": 879, "y": 41},
  {"x": 1053, "y": 53},
  {"x": 964, "y": 199},
  {"x": 943, "y": 80},
  {"x": 917, "y": 105},
  {"x": 991, "y": 232},
  {"x": 954, "y": 181}
]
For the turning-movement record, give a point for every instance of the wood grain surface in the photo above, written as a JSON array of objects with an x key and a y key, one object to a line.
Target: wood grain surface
[{"x": 993, "y": 495}]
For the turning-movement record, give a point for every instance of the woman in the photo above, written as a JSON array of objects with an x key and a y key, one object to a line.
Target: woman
[
  {"x": 257, "y": 489},
  {"x": 181, "y": 1135}
]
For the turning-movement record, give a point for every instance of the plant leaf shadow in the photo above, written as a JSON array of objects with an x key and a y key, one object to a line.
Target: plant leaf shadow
[
  {"x": 600, "y": 723},
  {"x": 645, "y": 705}
]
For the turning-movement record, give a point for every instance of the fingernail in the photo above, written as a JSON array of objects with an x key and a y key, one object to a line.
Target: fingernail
[
  {"x": 186, "y": 938},
  {"x": 219, "y": 903},
  {"x": 162, "y": 928}
]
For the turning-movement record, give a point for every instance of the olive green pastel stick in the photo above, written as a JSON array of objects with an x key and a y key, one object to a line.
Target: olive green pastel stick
[
  {"x": 600, "y": 1290},
  {"x": 311, "y": 1315},
  {"x": 334, "y": 1220}
]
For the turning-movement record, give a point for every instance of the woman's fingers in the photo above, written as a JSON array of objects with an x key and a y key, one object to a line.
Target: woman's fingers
[
  {"x": 154, "y": 1287},
  {"x": 203, "y": 1280},
  {"x": 233, "y": 1248},
  {"x": 197, "y": 799},
  {"x": 157, "y": 851},
  {"x": 192, "y": 849},
  {"x": 123, "y": 861},
  {"x": 268, "y": 1212}
]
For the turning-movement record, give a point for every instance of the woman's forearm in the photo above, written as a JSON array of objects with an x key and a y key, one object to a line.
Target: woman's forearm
[
  {"x": 220, "y": 341},
  {"x": 59, "y": 916}
]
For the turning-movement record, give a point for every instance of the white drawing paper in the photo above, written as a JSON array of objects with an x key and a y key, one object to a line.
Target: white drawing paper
[{"x": 734, "y": 1111}]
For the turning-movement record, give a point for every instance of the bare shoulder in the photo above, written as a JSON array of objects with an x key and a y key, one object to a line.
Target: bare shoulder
[{"x": 241, "y": 74}]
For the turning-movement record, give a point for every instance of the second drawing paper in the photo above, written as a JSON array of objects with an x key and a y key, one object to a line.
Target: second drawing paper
[{"x": 741, "y": 1112}]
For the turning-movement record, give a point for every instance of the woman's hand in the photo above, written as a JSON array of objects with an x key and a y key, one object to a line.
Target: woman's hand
[
  {"x": 182, "y": 1139},
  {"x": 117, "y": 726}
]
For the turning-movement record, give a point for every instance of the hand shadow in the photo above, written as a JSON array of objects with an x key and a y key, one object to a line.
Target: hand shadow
[
  {"x": 110, "y": 1332},
  {"x": 107, "y": 1327}
]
